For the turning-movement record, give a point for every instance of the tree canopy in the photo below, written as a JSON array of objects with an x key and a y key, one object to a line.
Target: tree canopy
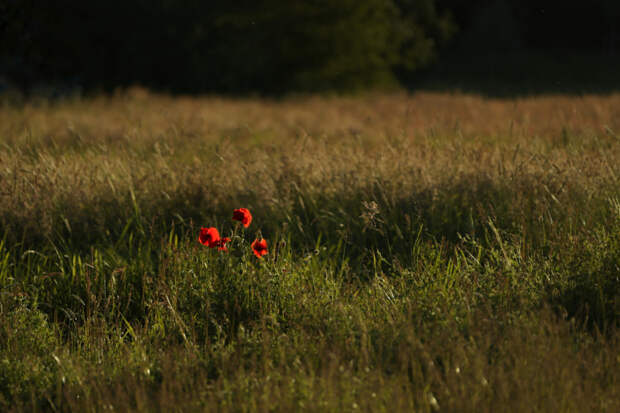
[{"x": 275, "y": 46}]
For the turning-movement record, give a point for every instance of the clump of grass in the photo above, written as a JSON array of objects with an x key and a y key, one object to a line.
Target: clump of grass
[{"x": 427, "y": 252}]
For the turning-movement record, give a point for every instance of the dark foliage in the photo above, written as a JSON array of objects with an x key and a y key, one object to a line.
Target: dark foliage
[{"x": 272, "y": 46}]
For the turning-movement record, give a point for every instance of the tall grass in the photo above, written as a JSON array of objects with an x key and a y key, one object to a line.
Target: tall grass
[{"x": 427, "y": 252}]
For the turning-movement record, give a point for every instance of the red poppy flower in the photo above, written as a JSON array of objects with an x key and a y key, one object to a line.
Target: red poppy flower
[
  {"x": 242, "y": 215},
  {"x": 209, "y": 237},
  {"x": 221, "y": 244},
  {"x": 259, "y": 247}
]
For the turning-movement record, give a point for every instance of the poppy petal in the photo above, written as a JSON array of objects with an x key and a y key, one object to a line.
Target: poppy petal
[
  {"x": 209, "y": 237},
  {"x": 242, "y": 215},
  {"x": 259, "y": 247}
]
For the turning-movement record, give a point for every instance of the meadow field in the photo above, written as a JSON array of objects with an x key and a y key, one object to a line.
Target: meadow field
[{"x": 426, "y": 252}]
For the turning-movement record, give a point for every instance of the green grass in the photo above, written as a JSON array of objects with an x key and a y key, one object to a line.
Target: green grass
[{"x": 426, "y": 252}]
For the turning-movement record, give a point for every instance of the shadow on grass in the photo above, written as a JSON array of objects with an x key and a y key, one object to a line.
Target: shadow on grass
[
  {"x": 375, "y": 216},
  {"x": 591, "y": 292}
]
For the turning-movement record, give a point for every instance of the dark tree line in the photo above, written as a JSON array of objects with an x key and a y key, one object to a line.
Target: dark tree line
[{"x": 275, "y": 46}]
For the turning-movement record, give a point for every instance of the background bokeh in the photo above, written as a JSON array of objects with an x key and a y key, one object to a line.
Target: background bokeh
[{"x": 279, "y": 47}]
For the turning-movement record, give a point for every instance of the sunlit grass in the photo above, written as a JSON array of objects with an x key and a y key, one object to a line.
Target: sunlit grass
[{"x": 425, "y": 252}]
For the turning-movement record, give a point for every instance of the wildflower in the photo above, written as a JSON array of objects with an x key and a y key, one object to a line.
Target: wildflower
[
  {"x": 242, "y": 215},
  {"x": 221, "y": 244},
  {"x": 209, "y": 237},
  {"x": 259, "y": 247}
]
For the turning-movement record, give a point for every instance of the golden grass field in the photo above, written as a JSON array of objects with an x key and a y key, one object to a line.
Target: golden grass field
[{"x": 428, "y": 252}]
